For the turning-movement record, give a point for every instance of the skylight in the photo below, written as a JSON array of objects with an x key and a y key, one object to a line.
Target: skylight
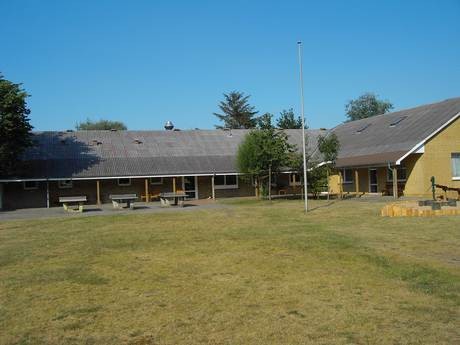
[
  {"x": 362, "y": 129},
  {"x": 398, "y": 120}
]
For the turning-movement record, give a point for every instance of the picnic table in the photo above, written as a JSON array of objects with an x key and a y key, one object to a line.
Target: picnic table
[
  {"x": 127, "y": 199},
  {"x": 175, "y": 198},
  {"x": 73, "y": 203}
]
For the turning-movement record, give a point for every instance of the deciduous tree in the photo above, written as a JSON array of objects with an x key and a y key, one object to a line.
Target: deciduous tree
[
  {"x": 15, "y": 128},
  {"x": 263, "y": 150},
  {"x": 287, "y": 120},
  {"x": 90, "y": 125},
  {"x": 366, "y": 105}
]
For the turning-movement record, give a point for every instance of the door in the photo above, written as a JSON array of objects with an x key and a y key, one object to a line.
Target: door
[
  {"x": 373, "y": 182},
  {"x": 190, "y": 186}
]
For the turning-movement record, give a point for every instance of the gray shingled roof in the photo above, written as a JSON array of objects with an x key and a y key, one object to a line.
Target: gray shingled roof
[
  {"x": 84, "y": 154},
  {"x": 379, "y": 143}
]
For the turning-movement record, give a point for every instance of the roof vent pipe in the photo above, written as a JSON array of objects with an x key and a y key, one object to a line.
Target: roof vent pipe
[{"x": 169, "y": 126}]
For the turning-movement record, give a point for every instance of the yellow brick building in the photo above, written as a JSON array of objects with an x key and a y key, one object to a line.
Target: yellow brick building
[{"x": 414, "y": 144}]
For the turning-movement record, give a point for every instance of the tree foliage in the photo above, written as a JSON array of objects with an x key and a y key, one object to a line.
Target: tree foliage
[
  {"x": 318, "y": 175},
  {"x": 264, "y": 122},
  {"x": 329, "y": 146},
  {"x": 366, "y": 105},
  {"x": 90, "y": 125},
  {"x": 262, "y": 150},
  {"x": 287, "y": 120},
  {"x": 15, "y": 128},
  {"x": 237, "y": 113}
]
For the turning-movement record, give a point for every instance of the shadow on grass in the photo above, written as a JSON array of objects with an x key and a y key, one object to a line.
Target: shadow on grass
[
  {"x": 432, "y": 281},
  {"x": 426, "y": 279},
  {"x": 330, "y": 203}
]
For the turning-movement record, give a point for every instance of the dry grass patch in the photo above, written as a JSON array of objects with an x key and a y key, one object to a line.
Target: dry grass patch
[{"x": 249, "y": 273}]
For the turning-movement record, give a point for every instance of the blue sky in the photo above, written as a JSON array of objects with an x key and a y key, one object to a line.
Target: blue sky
[{"x": 145, "y": 62}]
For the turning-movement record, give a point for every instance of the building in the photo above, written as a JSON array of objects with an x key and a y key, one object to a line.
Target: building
[
  {"x": 411, "y": 145},
  {"x": 99, "y": 163}
]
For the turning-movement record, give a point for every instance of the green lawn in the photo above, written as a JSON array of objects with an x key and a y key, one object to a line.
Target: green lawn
[{"x": 248, "y": 273}]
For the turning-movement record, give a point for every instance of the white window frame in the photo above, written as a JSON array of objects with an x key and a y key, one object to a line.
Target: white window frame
[
  {"x": 156, "y": 183},
  {"x": 399, "y": 179},
  {"x": 293, "y": 181},
  {"x": 454, "y": 155},
  {"x": 124, "y": 184},
  {"x": 30, "y": 188},
  {"x": 65, "y": 184},
  {"x": 225, "y": 185},
  {"x": 344, "y": 176}
]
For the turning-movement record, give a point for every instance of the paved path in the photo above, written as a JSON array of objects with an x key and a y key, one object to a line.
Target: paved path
[{"x": 105, "y": 209}]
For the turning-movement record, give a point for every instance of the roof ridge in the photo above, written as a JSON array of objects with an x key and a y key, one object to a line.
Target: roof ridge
[{"x": 404, "y": 109}]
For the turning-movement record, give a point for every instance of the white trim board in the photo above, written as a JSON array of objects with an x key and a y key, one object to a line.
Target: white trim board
[
  {"x": 420, "y": 147},
  {"x": 111, "y": 177},
  {"x": 117, "y": 177}
]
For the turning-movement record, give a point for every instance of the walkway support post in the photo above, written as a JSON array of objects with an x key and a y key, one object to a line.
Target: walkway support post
[
  {"x": 213, "y": 187},
  {"x": 356, "y": 182},
  {"x": 341, "y": 184},
  {"x": 47, "y": 194},
  {"x": 395, "y": 183},
  {"x": 270, "y": 182},
  {"x": 98, "y": 192},
  {"x": 174, "y": 185},
  {"x": 146, "y": 185}
]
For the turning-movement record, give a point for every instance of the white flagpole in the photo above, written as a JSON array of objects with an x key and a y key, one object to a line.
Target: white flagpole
[{"x": 299, "y": 45}]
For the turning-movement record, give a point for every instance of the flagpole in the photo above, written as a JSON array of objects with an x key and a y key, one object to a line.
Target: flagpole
[{"x": 299, "y": 45}]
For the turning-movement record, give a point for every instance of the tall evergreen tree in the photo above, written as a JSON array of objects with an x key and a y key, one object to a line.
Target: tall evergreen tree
[
  {"x": 15, "y": 129},
  {"x": 237, "y": 113},
  {"x": 287, "y": 120}
]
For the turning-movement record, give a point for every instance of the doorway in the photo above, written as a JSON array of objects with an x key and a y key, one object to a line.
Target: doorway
[
  {"x": 190, "y": 186},
  {"x": 373, "y": 181}
]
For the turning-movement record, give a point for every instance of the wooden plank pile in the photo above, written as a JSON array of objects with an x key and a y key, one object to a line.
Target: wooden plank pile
[{"x": 412, "y": 209}]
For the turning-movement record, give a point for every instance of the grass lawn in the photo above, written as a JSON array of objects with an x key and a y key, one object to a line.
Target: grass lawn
[{"x": 248, "y": 273}]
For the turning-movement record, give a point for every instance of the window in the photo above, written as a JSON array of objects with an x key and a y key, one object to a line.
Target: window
[
  {"x": 30, "y": 185},
  {"x": 363, "y": 128},
  {"x": 230, "y": 180},
  {"x": 124, "y": 182},
  {"x": 295, "y": 180},
  {"x": 225, "y": 181},
  {"x": 347, "y": 175},
  {"x": 156, "y": 180},
  {"x": 65, "y": 184},
  {"x": 402, "y": 174},
  {"x": 455, "y": 166},
  {"x": 398, "y": 120}
]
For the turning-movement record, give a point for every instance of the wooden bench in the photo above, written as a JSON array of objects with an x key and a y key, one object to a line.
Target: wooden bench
[
  {"x": 73, "y": 203},
  {"x": 175, "y": 198},
  {"x": 127, "y": 199}
]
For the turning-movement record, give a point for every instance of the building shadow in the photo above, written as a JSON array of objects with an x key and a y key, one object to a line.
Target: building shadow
[{"x": 58, "y": 155}]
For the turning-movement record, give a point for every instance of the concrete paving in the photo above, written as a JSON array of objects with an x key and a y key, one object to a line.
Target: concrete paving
[{"x": 105, "y": 210}]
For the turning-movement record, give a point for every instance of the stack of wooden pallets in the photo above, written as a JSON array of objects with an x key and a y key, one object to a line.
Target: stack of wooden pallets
[{"x": 413, "y": 209}]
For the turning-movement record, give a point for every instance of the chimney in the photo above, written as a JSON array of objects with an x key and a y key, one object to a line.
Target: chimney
[{"x": 169, "y": 126}]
